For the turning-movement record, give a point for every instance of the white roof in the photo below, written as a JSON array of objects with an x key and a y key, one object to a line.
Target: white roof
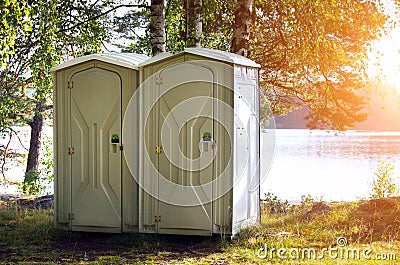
[
  {"x": 128, "y": 60},
  {"x": 156, "y": 58},
  {"x": 208, "y": 53},
  {"x": 222, "y": 56}
]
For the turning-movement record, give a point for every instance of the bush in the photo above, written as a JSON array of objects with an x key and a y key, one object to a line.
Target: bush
[
  {"x": 271, "y": 204},
  {"x": 38, "y": 181},
  {"x": 32, "y": 183},
  {"x": 384, "y": 184}
]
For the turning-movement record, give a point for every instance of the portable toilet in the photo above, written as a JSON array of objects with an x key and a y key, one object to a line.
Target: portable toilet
[
  {"x": 94, "y": 190},
  {"x": 199, "y": 143}
]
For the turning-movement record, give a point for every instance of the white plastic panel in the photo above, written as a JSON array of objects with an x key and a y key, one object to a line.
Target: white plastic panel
[
  {"x": 96, "y": 162},
  {"x": 75, "y": 127},
  {"x": 186, "y": 113},
  {"x": 246, "y": 154},
  {"x": 128, "y": 60},
  {"x": 222, "y": 56}
]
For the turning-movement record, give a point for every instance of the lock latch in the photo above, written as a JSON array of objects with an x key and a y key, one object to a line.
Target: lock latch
[
  {"x": 71, "y": 150},
  {"x": 158, "y": 150},
  {"x": 157, "y": 218}
]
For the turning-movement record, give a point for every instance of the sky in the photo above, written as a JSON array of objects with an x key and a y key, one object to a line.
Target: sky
[{"x": 386, "y": 52}]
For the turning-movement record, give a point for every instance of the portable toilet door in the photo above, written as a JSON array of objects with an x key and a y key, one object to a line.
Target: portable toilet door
[
  {"x": 95, "y": 128},
  {"x": 89, "y": 108},
  {"x": 175, "y": 127}
]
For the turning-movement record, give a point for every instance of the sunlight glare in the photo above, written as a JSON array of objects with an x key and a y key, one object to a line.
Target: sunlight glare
[
  {"x": 397, "y": 84},
  {"x": 384, "y": 62}
]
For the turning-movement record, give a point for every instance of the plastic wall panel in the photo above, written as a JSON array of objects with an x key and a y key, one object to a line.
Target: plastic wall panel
[{"x": 128, "y": 212}]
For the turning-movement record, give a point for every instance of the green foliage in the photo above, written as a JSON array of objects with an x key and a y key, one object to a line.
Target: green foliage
[
  {"x": 384, "y": 184},
  {"x": 46, "y": 167},
  {"x": 355, "y": 221},
  {"x": 57, "y": 30},
  {"x": 271, "y": 204},
  {"x": 175, "y": 26},
  {"x": 217, "y": 20},
  {"x": 130, "y": 26},
  {"x": 14, "y": 14},
  {"x": 32, "y": 183},
  {"x": 55, "y": 34},
  {"x": 307, "y": 202},
  {"x": 37, "y": 182},
  {"x": 15, "y": 107},
  {"x": 314, "y": 54}
]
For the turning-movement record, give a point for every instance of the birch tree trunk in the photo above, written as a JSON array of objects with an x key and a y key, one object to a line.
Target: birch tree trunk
[
  {"x": 157, "y": 27},
  {"x": 194, "y": 24},
  {"x": 241, "y": 28}
]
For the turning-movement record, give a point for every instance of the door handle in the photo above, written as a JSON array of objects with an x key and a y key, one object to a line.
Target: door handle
[{"x": 115, "y": 143}]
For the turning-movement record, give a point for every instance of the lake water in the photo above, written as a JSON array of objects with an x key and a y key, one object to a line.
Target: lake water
[
  {"x": 15, "y": 168},
  {"x": 326, "y": 165},
  {"x": 301, "y": 162}
]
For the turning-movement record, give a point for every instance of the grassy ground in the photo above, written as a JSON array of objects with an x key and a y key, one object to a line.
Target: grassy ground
[{"x": 303, "y": 235}]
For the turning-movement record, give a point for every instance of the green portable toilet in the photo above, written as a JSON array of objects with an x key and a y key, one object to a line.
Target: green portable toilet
[
  {"x": 94, "y": 189},
  {"x": 199, "y": 143}
]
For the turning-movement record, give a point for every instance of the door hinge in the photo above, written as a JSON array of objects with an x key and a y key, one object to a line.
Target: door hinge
[
  {"x": 71, "y": 150},
  {"x": 157, "y": 218},
  {"x": 121, "y": 148},
  {"x": 70, "y": 84},
  {"x": 158, "y": 81},
  {"x": 158, "y": 149},
  {"x": 71, "y": 216}
]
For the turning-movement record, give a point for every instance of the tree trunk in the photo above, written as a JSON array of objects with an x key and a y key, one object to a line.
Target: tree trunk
[
  {"x": 157, "y": 27},
  {"x": 35, "y": 142},
  {"x": 241, "y": 28},
  {"x": 194, "y": 25}
]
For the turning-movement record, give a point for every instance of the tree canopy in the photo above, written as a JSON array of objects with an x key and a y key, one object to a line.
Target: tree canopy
[
  {"x": 314, "y": 54},
  {"x": 52, "y": 36},
  {"x": 14, "y": 15},
  {"x": 54, "y": 31}
]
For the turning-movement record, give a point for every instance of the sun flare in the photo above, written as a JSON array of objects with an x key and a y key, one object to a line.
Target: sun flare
[
  {"x": 385, "y": 61},
  {"x": 397, "y": 84}
]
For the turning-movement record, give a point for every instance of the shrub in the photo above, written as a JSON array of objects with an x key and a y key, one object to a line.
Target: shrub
[
  {"x": 271, "y": 204},
  {"x": 384, "y": 184}
]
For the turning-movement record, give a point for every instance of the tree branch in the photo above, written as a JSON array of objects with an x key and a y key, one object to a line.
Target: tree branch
[
  {"x": 19, "y": 139},
  {"x": 100, "y": 15},
  {"x": 3, "y": 166}
]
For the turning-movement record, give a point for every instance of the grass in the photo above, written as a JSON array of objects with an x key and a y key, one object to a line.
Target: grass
[{"x": 28, "y": 236}]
